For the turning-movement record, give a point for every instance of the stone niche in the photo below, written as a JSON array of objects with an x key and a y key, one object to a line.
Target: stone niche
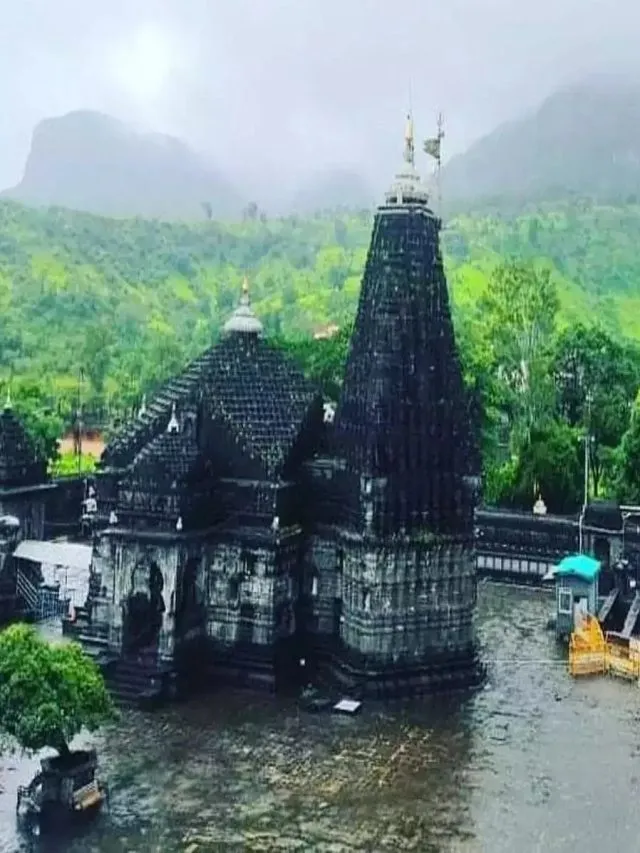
[{"x": 322, "y": 585}]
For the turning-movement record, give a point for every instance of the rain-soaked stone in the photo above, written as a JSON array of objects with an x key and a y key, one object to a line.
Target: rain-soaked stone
[{"x": 506, "y": 769}]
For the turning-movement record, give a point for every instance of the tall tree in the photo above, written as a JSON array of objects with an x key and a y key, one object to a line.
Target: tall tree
[
  {"x": 520, "y": 311},
  {"x": 597, "y": 379}
]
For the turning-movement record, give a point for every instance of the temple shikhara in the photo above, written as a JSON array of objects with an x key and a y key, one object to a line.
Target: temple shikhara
[{"x": 255, "y": 538}]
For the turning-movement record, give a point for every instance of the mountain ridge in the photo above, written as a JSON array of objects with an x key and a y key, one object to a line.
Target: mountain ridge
[{"x": 92, "y": 162}]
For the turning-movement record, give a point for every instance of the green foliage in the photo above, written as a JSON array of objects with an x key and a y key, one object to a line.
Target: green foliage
[
  {"x": 100, "y": 311},
  {"x": 66, "y": 465},
  {"x": 323, "y": 360},
  {"x": 627, "y": 460},
  {"x": 48, "y": 693},
  {"x": 549, "y": 464},
  {"x": 591, "y": 366}
]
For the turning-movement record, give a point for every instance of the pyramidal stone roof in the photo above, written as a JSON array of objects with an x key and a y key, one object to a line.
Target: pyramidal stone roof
[
  {"x": 246, "y": 384},
  {"x": 172, "y": 453},
  {"x": 20, "y": 463}
]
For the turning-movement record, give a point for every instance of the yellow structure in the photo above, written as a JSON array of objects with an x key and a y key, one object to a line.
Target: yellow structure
[
  {"x": 623, "y": 656},
  {"x": 587, "y": 648},
  {"x": 593, "y": 653}
]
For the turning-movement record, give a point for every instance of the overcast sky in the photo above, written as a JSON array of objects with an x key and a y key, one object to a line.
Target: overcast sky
[{"x": 295, "y": 84}]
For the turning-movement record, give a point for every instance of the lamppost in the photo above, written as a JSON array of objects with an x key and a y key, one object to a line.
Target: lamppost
[
  {"x": 79, "y": 419},
  {"x": 587, "y": 448}
]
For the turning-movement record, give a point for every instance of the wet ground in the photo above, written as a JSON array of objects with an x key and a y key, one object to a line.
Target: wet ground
[{"x": 534, "y": 762}]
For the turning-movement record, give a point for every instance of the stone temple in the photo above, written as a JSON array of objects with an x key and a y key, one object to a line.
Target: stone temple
[{"x": 253, "y": 539}]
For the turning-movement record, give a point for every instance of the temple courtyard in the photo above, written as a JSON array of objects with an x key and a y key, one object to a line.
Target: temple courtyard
[{"x": 534, "y": 755}]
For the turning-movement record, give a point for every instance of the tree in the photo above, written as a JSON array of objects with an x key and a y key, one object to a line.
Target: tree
[
  {"x": 627, "y": 460},
  {"x": 48, "y": 693},
  {"x": 590, "y": 366},
  {"x": 547, "y": 464},
  {"x": 520, "y": 309}
]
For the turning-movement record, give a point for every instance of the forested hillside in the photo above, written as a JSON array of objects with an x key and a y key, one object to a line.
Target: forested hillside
[
  {"x": 582, "y": 141},
  {"x": 106, "y": 309}
]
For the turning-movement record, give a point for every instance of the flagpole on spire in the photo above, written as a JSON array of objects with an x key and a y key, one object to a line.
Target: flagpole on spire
[
  {"x": 433, "y": 147},
  {"x": 439, "y": 162}
]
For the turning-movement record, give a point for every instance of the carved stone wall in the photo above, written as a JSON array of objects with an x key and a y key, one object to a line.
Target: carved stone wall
[
  {"x": 252, "y": 592},
  {"x": 124, "y": 566},
  {"x": 407, "y": 603}
]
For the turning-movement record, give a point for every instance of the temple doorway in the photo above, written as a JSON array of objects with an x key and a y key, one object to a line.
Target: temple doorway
[
  {"x": 143, "y": 608},
  {"x": 190, "y": 610}
]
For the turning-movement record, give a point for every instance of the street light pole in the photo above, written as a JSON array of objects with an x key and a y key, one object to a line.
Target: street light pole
[
  {"x": 587, "y": 448},
  {"x": 79, "y": 419}
]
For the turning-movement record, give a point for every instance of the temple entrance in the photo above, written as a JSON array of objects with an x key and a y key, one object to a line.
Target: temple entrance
[
  {"x": 190, "y": 609},
  {"x": 245, "y": 625},
  {"x": 144, "y": 608},
  {"x": 337, "y": 618}
]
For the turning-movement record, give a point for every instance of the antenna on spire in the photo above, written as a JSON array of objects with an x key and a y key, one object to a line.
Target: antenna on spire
[
  {"x": 245, "y": 290},
  {"x": 7, "y": 402}
]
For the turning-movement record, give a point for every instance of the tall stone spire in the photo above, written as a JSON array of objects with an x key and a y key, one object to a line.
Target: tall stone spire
[{"x": 403, "y": 438}]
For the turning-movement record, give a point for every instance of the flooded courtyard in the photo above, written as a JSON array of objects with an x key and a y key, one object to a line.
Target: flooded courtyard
[{"x": 533, "y": 762}]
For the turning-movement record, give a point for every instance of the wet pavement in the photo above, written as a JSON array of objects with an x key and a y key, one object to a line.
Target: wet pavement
[{"x": 534, "y": 762}]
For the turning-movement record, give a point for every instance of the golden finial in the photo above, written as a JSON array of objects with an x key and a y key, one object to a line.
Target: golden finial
[{"x": 245, "y": 286}]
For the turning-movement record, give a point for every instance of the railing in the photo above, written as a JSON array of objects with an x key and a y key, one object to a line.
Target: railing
[
  {"x": 44, "y": 601},
  {"x": 27, "y": 590}
]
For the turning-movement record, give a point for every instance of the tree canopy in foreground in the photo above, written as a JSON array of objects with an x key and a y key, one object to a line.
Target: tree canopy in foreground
[{"x": 48, "y": 692}]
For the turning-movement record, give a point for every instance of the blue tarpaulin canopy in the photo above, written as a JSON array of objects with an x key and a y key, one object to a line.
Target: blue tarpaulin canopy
[{"x": 578, "y": 565}]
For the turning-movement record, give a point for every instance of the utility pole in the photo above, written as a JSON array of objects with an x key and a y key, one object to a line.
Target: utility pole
[
  {"x": 79, "y": 420},
  {"x": 587, "y": 449}
]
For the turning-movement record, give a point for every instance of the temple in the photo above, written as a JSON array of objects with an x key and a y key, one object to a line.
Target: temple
[
  {"x": 24, "y": 487},
  {"x": 251, "y": 538}
]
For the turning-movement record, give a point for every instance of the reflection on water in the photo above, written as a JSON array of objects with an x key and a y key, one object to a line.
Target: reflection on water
[{"x": 534, "y": 762}]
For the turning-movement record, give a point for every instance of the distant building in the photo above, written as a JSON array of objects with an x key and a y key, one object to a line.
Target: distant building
[
  {"x": 326, "y": 332},
  {"x": 256, "y": 535}
]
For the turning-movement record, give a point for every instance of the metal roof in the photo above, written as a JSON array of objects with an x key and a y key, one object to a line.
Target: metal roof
[
  {"x": 72, "y": 554},
  {"x": 578, "y": 565}
]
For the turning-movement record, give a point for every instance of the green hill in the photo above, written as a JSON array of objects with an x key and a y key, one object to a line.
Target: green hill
[
  {"x": 130, "y": 300},
  {"x": 89, "y": 161},
  {"x": 582, "y": 141}
]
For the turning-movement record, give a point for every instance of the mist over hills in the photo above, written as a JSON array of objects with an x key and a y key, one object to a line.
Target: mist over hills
[
  {"x": 582, "y": 142},
  {"x": 94, "y": 163}
]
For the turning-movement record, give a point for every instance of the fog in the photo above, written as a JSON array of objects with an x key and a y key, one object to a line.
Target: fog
[{"x": 275, "y": 89}]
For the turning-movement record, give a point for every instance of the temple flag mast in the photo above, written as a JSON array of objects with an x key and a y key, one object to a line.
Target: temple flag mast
[{"x": 433, "y": 147}]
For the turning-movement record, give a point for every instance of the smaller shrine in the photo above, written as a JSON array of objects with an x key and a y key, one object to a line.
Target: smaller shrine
[
  {"x": 63, "y": 790},
  {"x": 196, "y": 575},
  {"x": 24, "y": 489},
  {"x": 24, "y": 482}
]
